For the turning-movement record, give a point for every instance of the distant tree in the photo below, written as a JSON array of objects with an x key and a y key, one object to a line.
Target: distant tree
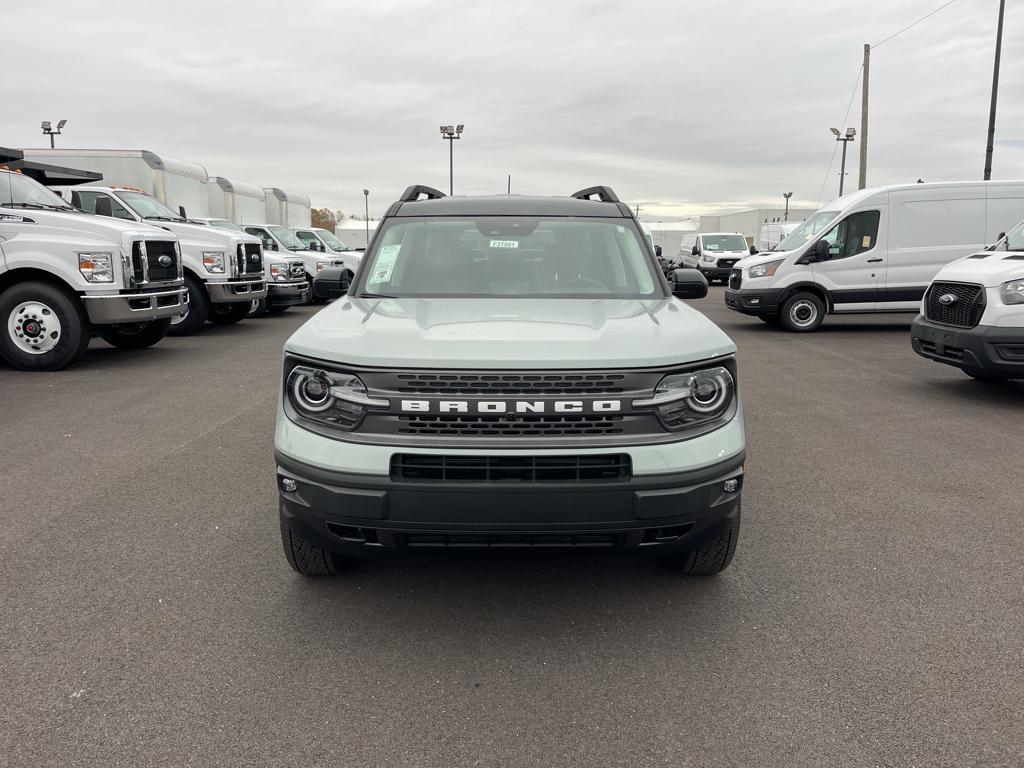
[{"x": 323, "y": 218}]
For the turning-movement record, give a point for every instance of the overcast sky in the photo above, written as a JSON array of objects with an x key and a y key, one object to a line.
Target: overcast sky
[{"x": 682, "y": 107}]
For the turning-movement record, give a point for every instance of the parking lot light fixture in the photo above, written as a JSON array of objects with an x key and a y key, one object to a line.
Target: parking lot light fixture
[
  {"x": 845, "y": 139},
  {"x": 450, "y": 134},
  {"x": 49, "y": 130}
]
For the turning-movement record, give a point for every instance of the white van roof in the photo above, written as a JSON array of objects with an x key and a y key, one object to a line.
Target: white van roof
[{"x": 861, "y": 194}]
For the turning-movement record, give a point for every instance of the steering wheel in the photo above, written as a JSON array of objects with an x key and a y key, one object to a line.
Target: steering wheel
[{"x": 584, "y": 281}]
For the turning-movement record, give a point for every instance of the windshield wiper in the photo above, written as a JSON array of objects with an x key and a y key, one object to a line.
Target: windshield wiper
[
  {"x": 162, "y": 218},
  {"x": 39, "y": 206},
  {"x": 375, "y": 296}
]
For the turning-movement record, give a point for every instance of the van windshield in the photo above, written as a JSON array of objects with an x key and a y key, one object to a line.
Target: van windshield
[
  {"x": 509, "y": 257},
  {"x": 799, "y": 236},
  {"x": 288, "y": 238},
  {"x": 332, "y": 242},
  {"x": 724, "y": 242},
  {"x": 19, "y": 191},
  {"x": 1015, "y": 238}
]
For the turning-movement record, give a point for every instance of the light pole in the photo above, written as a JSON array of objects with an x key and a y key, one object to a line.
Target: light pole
[
  {"x": 995, "y": 92},
  {"x": 366, "y": 218},
  {"x": 787, "y": 195},
  {"x": 850, "y": 133},
  {"x": 450, "y": 134},
  {"x": 49, "y": 131}
]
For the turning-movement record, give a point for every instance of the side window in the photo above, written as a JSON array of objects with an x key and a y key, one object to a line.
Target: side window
[
  {"x": 262, "y": 234},
  {"x": 309, "y": 240},
  {"x": 855, "y": 234},
  {"x": 89, "y": 201}
]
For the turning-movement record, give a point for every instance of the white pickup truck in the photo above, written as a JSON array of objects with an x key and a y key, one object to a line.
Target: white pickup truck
[
  {"x": 223, "y": 270},
  {"x": 65, "y": 276},
  {"x": 283, "y": 241},
  {"x": 325, "y": 241}
]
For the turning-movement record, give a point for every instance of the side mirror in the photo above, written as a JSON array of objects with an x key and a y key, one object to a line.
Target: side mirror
[
  {"x": 695, "y": 251},
  {"x": 269, "y": 245},
  {"x": 330, "y": 283},
  {"x": 103, "y": 206},
  {"x": 657, "y": 251},
  {"x": 753, "y": 250},
  {"x": 821, "y": 251},
  {"x": 689, "y": 284}
]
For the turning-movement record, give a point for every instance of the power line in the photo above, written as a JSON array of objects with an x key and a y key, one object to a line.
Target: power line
[
  {"x": 832, "y": 160},
  {"x": 890, "y": 37}
]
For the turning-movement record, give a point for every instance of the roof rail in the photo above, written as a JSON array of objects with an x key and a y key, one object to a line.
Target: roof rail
[
  {"x": 412, "y": 194},
  {"x": 604, "y": 194}
]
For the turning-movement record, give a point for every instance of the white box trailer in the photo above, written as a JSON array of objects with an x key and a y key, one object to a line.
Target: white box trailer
[
  {"x": 287, "y": 209},
  {"x": 237, "y": 202},
  {"x": 352, "y": 232},
  {"x": 175, "y": 183}
]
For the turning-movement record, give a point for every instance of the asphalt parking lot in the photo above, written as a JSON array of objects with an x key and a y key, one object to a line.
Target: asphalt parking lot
[{"x": 873, "y": 616}]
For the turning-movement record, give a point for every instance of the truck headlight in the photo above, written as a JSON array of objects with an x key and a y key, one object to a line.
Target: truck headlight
[
  {"x": 709, "y": 258},
  {"x": 279, "y": 272},
  {"x": 96, "y": 267},
  {"x": 322, "y": 265},
  {"x": 328, "y": 398},
  {"x": 213, "y": 262},
  {"x": 1012, "y": 292},
  {"x": 693, "y": 400},
  {"x": 765, "y": 270}
]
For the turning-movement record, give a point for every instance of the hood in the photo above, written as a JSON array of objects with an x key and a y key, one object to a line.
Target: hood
[
  {"x": 197, "y": 233},
  {"x": 764, "y": 257},
  {"x": 102, "y": 228},
  {"x": 990, "y": 268},
  {"x": 510, "y": 333}
]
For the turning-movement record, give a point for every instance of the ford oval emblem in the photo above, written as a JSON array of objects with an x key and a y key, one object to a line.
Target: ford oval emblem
[
  {"x": 948, "y": 299},
  {"x": 254, "y": 258},
  {"x": 165, "y": 260}
]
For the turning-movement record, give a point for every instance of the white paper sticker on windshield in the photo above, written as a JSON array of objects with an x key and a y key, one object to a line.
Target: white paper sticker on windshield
[
  {"x": 385, "y": 263},
  {"x": 865, "y": 242},
  {"x": 504, "y": 243}
]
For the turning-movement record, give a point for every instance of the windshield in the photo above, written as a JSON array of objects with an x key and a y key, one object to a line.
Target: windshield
[
  {"x": 286, "y": 236},
  {"x": 724, "y": 242},
  {"x": 1015, "y": 238},
  {"x": 807, "y": 230},
  {"x": 332, "y": 242},
  {"x": 146, "y": 206},
  {"x": 18, "y": 190},
  {"x": 225, "y": 224},
  {"x": 510, "y": 257}
]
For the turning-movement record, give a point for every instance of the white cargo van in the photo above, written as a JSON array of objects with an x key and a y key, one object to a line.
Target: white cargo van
[
  {"x": 874, "y": 250},
  {"x": 774, "y": 232},
  {"x": 223, "y": 269},
  {"x": 324, "y": 241},
  {"x": 715, "y": 253},
  {"x": 972, "y": 316}
]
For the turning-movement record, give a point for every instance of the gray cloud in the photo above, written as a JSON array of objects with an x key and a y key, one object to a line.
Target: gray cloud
[{"x": 681, "y": 106}]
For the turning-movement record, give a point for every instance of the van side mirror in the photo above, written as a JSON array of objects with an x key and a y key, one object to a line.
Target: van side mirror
[
  {"x": 695, "y": 251},
  {"x": 689, "y": 284},
  {"x": 821, "y": 251},
  {"x": 657, "y": 251},
  {"x": 330, "y": 283},
  {"x": 103, "y": 206},
  {"x": 753, "y": 250}
]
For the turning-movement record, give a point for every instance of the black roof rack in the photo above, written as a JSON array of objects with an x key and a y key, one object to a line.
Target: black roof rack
[
  {"x": 412, "y": 194},
  {"x": 604, "y": 194}
]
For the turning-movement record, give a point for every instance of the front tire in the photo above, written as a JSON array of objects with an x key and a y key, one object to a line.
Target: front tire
[
  {"x": 258, "y": 308},
  {"x": 711, "y": 558},
  {"x": 195, "y": 313},
  {"x": 228, "y": 314},
  {"x": 802, "y": 313},
  {"x": 308, "y": 560},
  {"x": 135, "y": 335},
  {"x": 44, "y": 328}
]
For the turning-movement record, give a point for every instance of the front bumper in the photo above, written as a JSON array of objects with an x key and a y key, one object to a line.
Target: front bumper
[
  {"x": 985, "y": 348},
  {"x": 714, "y": 273},
  {"x": 754, "y": 302},
  {"x": 236, "y": 290},
  {"x": 137, "y": 307},
  {"x": 362, "y": 514},
  {"x": 287, "y": 294}
]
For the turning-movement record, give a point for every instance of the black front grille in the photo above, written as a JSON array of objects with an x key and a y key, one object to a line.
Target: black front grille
[
  {"x": 249, "y": 259},
  {"x": 297, "y": 270},
  {"x": 735, "y": 279},
  {"x": 963, "y": 311},
  {"x": 157, "y": 254},
  {"x": 511, "y": 469},
  {"x": 509, "y": 383},
  {"x": 511, "y": 425},
  {"x": 948, "y": 353},
  {"x": 726, "y": 263}
]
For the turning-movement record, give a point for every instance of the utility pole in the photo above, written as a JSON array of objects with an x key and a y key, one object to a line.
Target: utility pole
[
  {"x": 864, "y": 118},
  {"x": 509, "y": 190},
  {"x": 366, "y": 200},
  {"x": 995, "y": 92}
]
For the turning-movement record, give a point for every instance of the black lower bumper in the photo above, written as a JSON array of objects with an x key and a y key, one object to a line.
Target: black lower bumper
[
  {"x": 360, "y": 514},
  {"x": 288, "y": 294},
  {"x": 762, "y": 302},
  {"x": 985, "y": 348},
  {"x": 715, "y": 273}
]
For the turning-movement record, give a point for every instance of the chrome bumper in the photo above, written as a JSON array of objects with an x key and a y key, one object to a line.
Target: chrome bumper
[
  {"x": 136, "y": 307},
  {"x": 236, "y": 290}
]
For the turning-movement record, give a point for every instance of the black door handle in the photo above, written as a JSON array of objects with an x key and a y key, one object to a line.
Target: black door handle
[{"x": 874, "y": 261}]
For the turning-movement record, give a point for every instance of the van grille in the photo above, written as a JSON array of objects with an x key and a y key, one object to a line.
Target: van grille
[
  {"x": 146, "y": 266},
  {"x": 511, "y": 469},
  {"x": 966, "y": 309},
  {"x": 247, "y": 265}
]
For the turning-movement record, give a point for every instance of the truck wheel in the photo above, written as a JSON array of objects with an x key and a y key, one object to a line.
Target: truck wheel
[
  {"x": 802, "y": 313},
  {"x": 258, "y": 308},
  {"x": 713, "y": 557},
  {"x": 44, "y": 328},
  {"x": 135, "y": 335},
  {"x": 308, "y": 560},
  {"x": 195, "y": 313},
  {"x": 227, "y": 314}
]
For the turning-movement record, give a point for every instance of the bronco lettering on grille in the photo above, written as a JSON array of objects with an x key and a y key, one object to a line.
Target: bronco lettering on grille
[{"x": 511, "y": 406}]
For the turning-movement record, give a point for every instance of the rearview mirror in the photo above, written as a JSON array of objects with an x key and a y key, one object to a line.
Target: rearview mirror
[
  {"x": 331, "y": 283},
  {"x": 689, "y": 284},
  {"x": 821, "y": 252}
]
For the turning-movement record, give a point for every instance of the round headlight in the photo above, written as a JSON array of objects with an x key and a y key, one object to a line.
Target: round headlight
[
  {"x": 709, "y": 390},
  {"x": 311, "y": 390}
]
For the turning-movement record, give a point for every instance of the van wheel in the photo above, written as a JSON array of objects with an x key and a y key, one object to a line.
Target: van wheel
[
  {"x": 308, "y": 560},
  {"x": 258, "y": 308},
  {"x": 713, "y": 557},
  {"x": 227, "y": 314},
  {"x": 135, "y": 335},
  {"x": 195, "y": 313},
  {"x": 44, "y": 329},
  {"x": 802, "y": 313}
]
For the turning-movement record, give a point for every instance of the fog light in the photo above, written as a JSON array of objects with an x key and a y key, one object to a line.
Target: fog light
[
  {"x": 753, "y": 301},
  {"x": 288, "y": 485},
  {"x": 731, "y": 486}
]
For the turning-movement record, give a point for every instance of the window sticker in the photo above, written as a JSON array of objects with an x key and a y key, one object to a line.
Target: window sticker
[
  {"x": 504, "y": 243},
  {"x": 865, "y": 242},
  {"x": 385, "y": 263}
]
